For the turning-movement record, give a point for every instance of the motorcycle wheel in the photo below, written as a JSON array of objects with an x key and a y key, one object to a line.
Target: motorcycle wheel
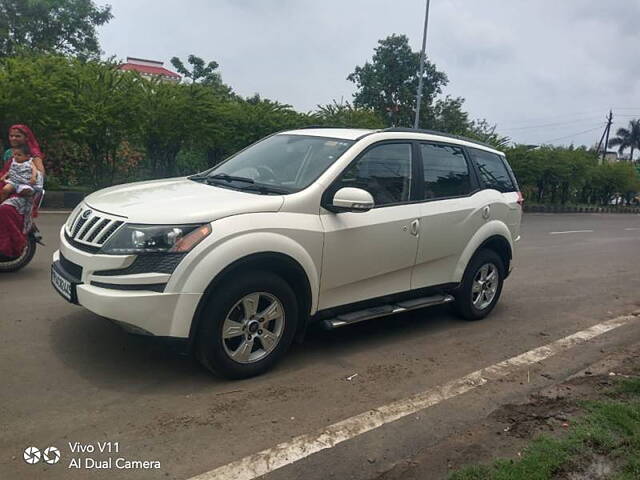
[{"x": 14, "y": 264}]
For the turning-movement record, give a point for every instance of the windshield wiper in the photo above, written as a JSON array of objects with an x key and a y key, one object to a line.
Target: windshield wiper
[
  {"x": 230, "y": 178},
  {"x": 197, "y": 177},
  {"x": 264, "y": 189}
]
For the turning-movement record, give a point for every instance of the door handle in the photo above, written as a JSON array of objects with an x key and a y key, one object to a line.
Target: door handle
[{"x": 415, "y": 228}]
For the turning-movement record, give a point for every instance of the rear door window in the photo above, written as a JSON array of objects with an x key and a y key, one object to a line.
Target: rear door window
[
  {"x": 446, "y": 172},
  {"x": 493, "y": 170}
]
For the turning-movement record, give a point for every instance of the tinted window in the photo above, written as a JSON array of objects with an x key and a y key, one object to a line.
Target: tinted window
[
  {"x": 493, "y": 171},
  {"x": 384, "y": 171},
  {"x": 446, "y": 173}
]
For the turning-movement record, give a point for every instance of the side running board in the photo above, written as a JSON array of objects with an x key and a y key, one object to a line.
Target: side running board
[{"x": 384, "y": 310}]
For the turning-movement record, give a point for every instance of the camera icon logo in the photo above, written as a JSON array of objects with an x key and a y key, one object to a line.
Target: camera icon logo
[
  {"x": 31, "y": 455},
  {"x": 52, "y": 455}
]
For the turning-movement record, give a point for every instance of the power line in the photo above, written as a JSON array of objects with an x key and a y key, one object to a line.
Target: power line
[
  {"x": 572, "y": 135},
  {"x": 557, "y": 117},
  {"x": 550, "y": 124}
]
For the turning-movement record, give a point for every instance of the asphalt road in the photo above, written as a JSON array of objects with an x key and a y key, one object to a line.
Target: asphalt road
[{"x": 67, "y": 375}]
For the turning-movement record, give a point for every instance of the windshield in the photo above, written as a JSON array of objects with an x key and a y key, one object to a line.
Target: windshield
[{"x": 287, "y": 162}]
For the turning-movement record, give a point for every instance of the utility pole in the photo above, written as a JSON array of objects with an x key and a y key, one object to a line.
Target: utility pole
[
  {"x": 416, "y": 123},
  {"x": 606, "y": 134}
]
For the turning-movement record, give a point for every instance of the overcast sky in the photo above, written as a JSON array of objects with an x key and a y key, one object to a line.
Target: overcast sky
[{"x": 543, "y": 70}]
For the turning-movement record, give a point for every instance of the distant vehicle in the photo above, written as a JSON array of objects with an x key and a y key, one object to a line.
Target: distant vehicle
[{"x": 313, "y": 225}]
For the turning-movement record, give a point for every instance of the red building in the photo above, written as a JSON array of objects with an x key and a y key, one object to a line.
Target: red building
[{"x": 150, "y": 69}]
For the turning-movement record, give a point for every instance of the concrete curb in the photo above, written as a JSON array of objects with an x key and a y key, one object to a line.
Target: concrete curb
[{"x": 571, "y": 209}]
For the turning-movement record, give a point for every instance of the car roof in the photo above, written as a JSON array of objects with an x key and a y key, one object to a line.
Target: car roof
[
  {"x": 391, "y": 133},
  {"x": 342, "y": 133}
]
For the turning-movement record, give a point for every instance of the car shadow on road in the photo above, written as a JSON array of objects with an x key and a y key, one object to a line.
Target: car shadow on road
[
  {"x": 105, "y": 355},
  {"x": 378, "y": 336}
]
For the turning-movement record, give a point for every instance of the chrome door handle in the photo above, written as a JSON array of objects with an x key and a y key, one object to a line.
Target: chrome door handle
[{"x": 415, "y": 228}]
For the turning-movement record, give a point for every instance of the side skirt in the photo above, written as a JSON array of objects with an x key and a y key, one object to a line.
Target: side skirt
[{"x": 388, "y": 305}]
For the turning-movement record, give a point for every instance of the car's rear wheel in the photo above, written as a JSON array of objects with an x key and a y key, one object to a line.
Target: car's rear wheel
[
  {"x": 247, "y": 325},
  {"x": 481, "y": 285}
]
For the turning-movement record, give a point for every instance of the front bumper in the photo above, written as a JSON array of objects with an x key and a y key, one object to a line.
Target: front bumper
[{"x": 159, "y": 313}]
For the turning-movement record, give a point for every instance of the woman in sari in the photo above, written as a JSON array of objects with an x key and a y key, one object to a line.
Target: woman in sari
[{"x": 17, "y": 211}]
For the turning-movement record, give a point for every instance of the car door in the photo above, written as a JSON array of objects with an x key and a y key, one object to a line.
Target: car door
[
  {"x": 371, "y": 254},
  {"x": 449, "y": 215},
  {"x": 497, "y": 177}
]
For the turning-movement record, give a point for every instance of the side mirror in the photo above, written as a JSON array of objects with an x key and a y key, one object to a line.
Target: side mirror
[{"x": 349, "y": 199}]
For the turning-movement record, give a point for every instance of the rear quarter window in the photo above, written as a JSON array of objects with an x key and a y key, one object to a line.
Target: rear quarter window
[{"x": 494, "y": 171}]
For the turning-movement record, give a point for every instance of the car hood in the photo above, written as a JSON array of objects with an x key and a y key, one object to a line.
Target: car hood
[{"x": 179, "y": 200}]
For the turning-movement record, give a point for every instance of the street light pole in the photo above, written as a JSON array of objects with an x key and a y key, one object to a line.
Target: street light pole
[{"x": 416, "y": 123}]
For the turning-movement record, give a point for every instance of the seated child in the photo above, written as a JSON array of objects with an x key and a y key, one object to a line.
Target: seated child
[{"x": 21, "y": 175}]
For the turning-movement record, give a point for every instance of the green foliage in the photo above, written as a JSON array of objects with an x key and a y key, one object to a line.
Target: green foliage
[
  {"x": 388, "y": 83},
  {"x": 203, "y": 73},
  {"x": 99, "y": 125},
  {"x": 561, "y": 175},
  {"x": 346, "y": 115},
  {"x": 627, "y": 138},
  {"x": 51, "y": 26},
  {"x": 609, "y": 428},
  {"x": 104, "y": 112},
  {"x": 174, "y": 116},
  {"x": 241, "y": 122}
]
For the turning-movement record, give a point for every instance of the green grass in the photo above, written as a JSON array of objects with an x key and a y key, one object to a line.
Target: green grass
[{"x": 609, "y": 428}]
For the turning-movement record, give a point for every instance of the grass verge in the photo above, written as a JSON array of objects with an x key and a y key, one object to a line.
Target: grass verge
[{"x": 603, "y": 443}]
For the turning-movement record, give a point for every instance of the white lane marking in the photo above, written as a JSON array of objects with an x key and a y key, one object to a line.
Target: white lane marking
[
  {"x": 631, "y": 229},
  {"x": 571, "y": 231},
  {"x": 266, "y": 461}
]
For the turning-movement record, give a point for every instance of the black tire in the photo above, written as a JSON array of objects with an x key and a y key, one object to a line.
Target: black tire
[
  {"x": 14, "y": 264},
  {"x": 209, "y": 343},
  {"x": 464, "y": 304}
]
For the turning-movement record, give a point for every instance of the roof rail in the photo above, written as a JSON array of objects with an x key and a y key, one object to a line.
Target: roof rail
[{"x": 435, "y": 132}]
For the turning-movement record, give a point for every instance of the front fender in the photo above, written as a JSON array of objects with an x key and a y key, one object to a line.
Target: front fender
[
  {"x": 490, "y": 229},
  {"x": 196, "y": 273}
]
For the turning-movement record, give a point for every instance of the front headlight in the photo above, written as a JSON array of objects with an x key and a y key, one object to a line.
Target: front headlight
[{"x": 132, "y": 239}]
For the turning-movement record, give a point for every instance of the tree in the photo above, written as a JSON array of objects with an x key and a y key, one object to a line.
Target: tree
[
  {"x": 40, "y": 98},
  {"x": 202, "y": 73},
  {"x": 67, "y": 27},
  {"x": 175, "y": 116},
  {"x": 627, "y": 138},
  {"x": 388, "y": 83},
  {"x": 106, "y": 111}
]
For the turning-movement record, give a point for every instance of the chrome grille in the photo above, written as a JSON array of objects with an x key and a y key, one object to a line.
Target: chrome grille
[{"x": 89, "y": 227}]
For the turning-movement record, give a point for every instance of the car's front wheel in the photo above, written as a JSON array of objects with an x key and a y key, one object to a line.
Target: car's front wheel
[
  {"x": 481, "y": 285},
  {"x": 247, "y": 325}
]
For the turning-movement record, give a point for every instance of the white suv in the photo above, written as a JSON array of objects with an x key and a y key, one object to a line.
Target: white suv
[{"x": 312, "y": 225}]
